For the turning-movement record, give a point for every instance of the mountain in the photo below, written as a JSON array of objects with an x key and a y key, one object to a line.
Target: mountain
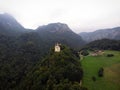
[
  {"x": 9, "y": 26},
  {"x": 50, "y": 34},
  {"x": 113, "y": 33},
  {"x": 21, "y": 49},
  {"x": 59, "y": 32}
]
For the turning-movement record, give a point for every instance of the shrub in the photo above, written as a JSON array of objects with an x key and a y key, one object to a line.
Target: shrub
[
  {"x": 100, "y": 72},
  {"x": 84, "y": 53},
  {"x": 110, "y": 55},
  {"x": 94, "y": 78}
]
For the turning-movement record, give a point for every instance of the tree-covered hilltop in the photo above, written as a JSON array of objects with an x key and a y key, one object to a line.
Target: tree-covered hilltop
[
  {"x": 104, "y": 44},
  {"x": 57, "y": 71}
]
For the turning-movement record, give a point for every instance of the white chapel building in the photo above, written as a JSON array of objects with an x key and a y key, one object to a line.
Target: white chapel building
[{"x": 57, "y": 47}]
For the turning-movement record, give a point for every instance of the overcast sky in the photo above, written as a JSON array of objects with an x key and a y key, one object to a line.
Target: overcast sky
[{"x": 80, "y": 15}]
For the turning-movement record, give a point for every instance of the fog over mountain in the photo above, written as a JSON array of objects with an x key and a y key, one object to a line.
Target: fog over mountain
[
  {"x": 51, "y": 33},
  {"x": 80, "y": 15},
  {"x": 9, "y": 26}
]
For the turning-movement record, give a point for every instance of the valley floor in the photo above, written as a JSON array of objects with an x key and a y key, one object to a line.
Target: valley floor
[{"x": 111, "y": 65}]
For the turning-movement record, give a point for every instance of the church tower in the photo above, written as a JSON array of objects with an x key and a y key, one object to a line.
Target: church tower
[{"x": 57, "y": 47}]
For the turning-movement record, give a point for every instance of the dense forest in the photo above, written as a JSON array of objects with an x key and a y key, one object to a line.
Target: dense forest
[
  {"x": 103, "y": 44},
  {"x": 16, "y": 60},
  {"x": 57, "y": 71},
  {"x": 26, "y": 68}
]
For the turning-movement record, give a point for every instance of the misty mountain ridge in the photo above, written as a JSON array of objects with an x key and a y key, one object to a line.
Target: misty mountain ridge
[
  {"x": 113, "y": 33},
  {"x": 51, "y": 33},
  {"x": 9, "y": 25},
  {"x": 59, "y": 32},
  {"x": 55, "y": 27},
  {"x": 55, "y": 32}
]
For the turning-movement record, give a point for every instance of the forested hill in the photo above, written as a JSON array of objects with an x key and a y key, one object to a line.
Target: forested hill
[
  {"x": 104, "y": 44},
  {"x": 57, "y": 71}
]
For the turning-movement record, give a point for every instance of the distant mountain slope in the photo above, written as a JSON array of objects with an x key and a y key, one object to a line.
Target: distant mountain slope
[
  {"x": 9, "y": 26},
  {"x": 58, "y": 32},
  {"x": 50, "y": 34},
  {"x": 113, "y": 33}
]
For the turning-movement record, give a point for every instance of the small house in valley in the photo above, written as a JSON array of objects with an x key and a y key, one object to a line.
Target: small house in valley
[{"x": 97, "y": 52}]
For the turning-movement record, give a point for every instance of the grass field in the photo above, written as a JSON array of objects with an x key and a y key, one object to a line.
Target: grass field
[{"x": 111, "y": 65}]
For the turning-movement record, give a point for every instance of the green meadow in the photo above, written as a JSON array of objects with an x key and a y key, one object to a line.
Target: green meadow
[{"x": 111, "y": 65}]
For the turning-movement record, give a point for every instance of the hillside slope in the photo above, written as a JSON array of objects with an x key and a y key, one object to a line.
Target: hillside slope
[
  {"x": 57, "y": 71},
  {"x": 59, "y": 32},
  {"x": 9, "y": 26},
  {"x": 104, "y": 44}
]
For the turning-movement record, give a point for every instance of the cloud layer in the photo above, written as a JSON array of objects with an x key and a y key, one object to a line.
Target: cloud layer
[{"x": 80, "y": 15}]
